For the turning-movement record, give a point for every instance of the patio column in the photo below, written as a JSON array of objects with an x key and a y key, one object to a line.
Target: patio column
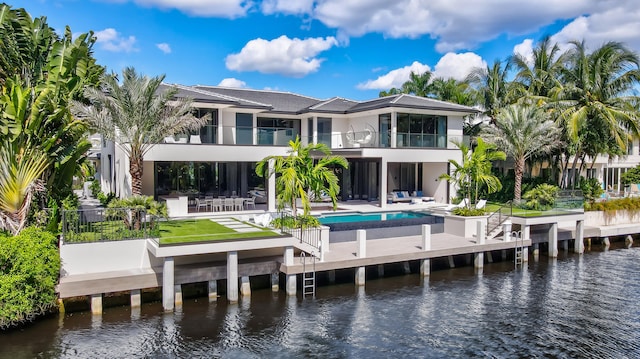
[
  {"x": 271, "y": 192},
  {"x": 383, "y": 183},
  {"x": 425, "y": 264},
  {"x": 553, "y": 240},
  {"x": 579, "y": 243},
  {"x": 480, "y": 235},
  {"x": 361, "y": 252},
  {"x": 232, "y": 276},
  {"x": 290, "y": 282},
  {"x": 526, "y": 235},
  {"x": 394, "y": 129},
  {"x": 168, "y": 290}
]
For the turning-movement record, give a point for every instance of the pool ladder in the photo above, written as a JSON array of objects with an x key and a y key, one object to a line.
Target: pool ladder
[
  {"x": 519, "y": 251},
  {"x": 308, "y": 277}
]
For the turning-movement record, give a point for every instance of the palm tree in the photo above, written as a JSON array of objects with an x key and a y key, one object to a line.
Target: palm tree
[
  {"x": 20, "y": 170},
  {"x": 451, "y": 90},
  {"x": 475, "y": 169},
  {"x": 301, "y": 176},
  {"x": 594, "y": 101},
  {"x": 493, "y": 90},
  {"x": 418, "y": 84},
  {"x": 522, "y": 131},
  {"x": 540, "y": 76},
  {"x": 137, "y": 115}
]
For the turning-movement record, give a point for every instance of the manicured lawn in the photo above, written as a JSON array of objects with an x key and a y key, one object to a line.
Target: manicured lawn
[
  {"x": 186, "y": 231},
  {"x": 520, "y": 212}
]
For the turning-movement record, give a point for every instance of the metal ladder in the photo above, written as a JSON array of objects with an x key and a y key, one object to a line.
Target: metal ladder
[
  {"x": 308, "y": 277},
  {"x": 519, "y": 250}
]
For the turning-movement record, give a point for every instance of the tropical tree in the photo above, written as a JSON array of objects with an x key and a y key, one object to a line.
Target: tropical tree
[
  {"x": 492, "y": 87},
  {"x": 300, "y": 175},
  {"x": 475, "y": 170},
  {"x": 418, "y": 84},
  {"x": 451, "y": 90},
  {"x": 137, "y": 115},
  {"x": 522, "y": 131},
  {"x": 541, "y": 74},
  {"x": 20, "y": 170},
  {"x": 40, "y": 72},
  {"x": 594, "y": 102}
]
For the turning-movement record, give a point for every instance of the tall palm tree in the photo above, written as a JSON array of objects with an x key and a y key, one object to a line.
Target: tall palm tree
[
  {"x": 137, "y": 115},
  {"x": 300, "y": 175},
  {"x": 594, "y": 101},
  {"x": 493, "y": 90},
  {"x": 522, "y": 131},
  {"x": 540, "y": 76}
]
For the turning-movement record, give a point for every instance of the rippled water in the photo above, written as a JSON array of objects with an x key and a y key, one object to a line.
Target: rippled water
[{"x": 577, "y": 306}]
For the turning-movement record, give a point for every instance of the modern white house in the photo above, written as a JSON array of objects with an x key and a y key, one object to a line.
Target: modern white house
[{"x": 395, "y": 143}]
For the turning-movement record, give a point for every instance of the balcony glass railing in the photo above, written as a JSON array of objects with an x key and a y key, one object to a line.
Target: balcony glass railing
[{"x": 273, "y": 136}]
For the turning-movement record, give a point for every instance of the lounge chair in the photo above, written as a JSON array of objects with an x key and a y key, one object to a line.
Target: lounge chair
[{"x": 481, "y": 203}]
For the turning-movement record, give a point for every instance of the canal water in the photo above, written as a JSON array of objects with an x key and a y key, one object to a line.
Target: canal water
[{"x": 574, "y": 307}]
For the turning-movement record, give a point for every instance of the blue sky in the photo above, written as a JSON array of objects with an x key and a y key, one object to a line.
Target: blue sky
[{"x": 326, "y": 48}]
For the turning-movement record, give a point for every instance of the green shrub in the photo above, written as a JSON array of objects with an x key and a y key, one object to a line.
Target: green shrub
[
  {"x": 29, "y": 268},
  {"x": 105, "y": 199},
  {"x": 591, "y": 189},
  {"x": 94, "y": 187},
  {"x": 541, "y": 198},
  {"x": 301, "y": 221},
  {"x": 628, "y": 203},
  {"x": 468, "y": 212},
  {"x": 631, "y": 176}
]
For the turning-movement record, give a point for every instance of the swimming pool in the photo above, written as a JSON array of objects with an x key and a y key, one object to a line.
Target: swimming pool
[{"x": 365, "y": 217}]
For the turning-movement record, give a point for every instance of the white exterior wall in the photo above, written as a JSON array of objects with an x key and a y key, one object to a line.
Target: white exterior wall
[
  {"x": 432, "y": 186},
  {"x": 97, "y": 257}
]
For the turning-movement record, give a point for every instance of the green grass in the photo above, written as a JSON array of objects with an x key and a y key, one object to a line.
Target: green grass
[
  {"x": 204, "y": 230},
  {"x": 520, "y": 212}
]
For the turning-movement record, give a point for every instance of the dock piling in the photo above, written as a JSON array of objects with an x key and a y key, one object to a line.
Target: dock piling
[
  {"x": 168, "y": 293},
  {"x": 96, "y": 304},
  {"x": 232, "y": 276},
  {"x": 136, "y": 298},
  {"x": 213, "y": 290}
]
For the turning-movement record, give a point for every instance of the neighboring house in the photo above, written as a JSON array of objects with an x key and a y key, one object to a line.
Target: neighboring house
[{"x": 394, "y": 143}]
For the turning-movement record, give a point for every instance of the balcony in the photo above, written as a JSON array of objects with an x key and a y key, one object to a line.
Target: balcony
[
  {"x": 370, "y": 139},
  {"x": 234, "y": 135}
]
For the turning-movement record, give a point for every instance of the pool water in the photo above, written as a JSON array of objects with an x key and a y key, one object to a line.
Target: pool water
[{"x": 367, "y": 217}]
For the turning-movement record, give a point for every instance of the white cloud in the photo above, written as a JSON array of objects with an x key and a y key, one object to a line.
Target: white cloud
[
  {"x": 287, "y": 6},
  {"x": 458, "y": 66},
  {"x": 455, "y": 24},
  {"x": 620, "y": 22},
  {"x": 525, "y": 50},
  {"x": 164, "y": 47},
  {"x": 283, "y": 56},
  {"x": 204, "y": 8},
  {"x": 111, "y": 40},
  {"x": 232, "y": 82},
  {"x": 394, "y": 78}
]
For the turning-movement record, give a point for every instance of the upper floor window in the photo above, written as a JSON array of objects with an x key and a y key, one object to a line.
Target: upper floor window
[
  {"x": 419, "y": 130},
  {"x": 277, "y": 131},
  {"x": 324, "y": 130},
  {"x": 209, "y": 132},
  {"x": 244, "y": 128}
]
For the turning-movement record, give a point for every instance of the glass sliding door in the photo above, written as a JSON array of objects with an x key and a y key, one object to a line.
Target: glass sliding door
[
  {"x": 324, "y": 131},
  {"x": 385, "y": 129}
]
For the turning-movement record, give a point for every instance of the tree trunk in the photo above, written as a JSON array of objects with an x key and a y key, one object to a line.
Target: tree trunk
[
  {"x": 517, "y": 187},
  {"x": 135, "y": 169}
]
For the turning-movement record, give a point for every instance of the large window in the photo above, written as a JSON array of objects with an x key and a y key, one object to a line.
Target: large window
[
  {"x": 195, "y": 179},
  {"x": 324, "y": 130},
  {"x": 244, "y": 129},
  {"x": 418, "y": 130},
  {"x": 277, "y": 131}
]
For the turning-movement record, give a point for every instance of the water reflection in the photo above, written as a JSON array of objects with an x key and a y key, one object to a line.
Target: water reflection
[{"x": 572, "y": 306}]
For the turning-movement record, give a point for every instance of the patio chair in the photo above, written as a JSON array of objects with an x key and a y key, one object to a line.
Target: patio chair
[
  {"x": 169, "y": 139},
  {"x": 228, "y": 204},
  {"x": 238, "y": 204},
  {"x": 481, "y": 203},
  {"x": 216, "y": 205},
  {"x": 200, "y": 204},
  {"x": 250, "y": 202}
]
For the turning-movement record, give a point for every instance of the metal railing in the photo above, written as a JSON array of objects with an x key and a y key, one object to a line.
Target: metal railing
[
  {"x": 497, "y": 218},
  {"x": 107, "y": 224},
  {"x": 298, "y": 229}
]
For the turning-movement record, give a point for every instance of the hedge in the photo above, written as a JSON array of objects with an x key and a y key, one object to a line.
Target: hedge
[{"x": 29, "y": 269}]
